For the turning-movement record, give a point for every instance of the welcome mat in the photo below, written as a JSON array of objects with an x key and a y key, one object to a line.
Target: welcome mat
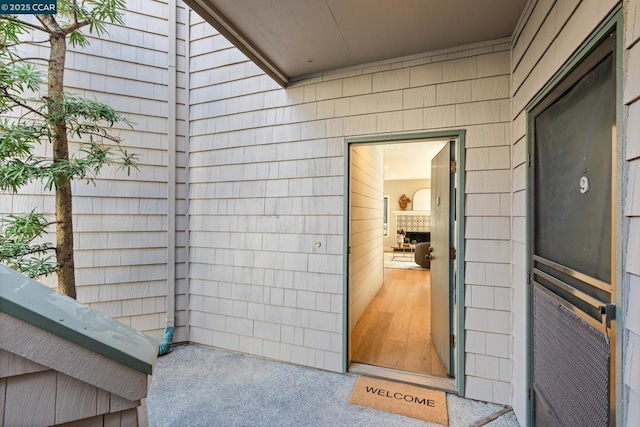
[{"x": 403, "y": 399}]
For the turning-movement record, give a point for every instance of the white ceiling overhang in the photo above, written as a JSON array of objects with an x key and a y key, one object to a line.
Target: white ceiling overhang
[{"x": 290, "y": 39}]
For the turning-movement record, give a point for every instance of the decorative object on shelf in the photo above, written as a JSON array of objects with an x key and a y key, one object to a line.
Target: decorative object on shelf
[{"x": 404, "y": 201}]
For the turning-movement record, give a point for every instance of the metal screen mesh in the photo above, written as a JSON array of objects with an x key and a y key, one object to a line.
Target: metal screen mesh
[{"x": 570, "y": 364}]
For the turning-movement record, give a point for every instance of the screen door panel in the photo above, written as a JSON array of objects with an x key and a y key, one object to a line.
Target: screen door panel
[
  {"x": 571, "y": 364},
  {"x": 573, "y": 176},
  {"x": 572, "y": 246}
]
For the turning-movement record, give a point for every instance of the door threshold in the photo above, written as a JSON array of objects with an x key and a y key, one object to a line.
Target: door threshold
[{"x": 439, "y": 383}]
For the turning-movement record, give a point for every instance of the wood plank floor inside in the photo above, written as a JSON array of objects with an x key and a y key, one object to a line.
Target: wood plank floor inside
[{"x": 395, "y": 329}]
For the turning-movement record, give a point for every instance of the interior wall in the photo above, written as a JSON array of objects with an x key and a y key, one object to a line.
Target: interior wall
[
  {"x": 546, "y": 36},
  {"x": 394, "y": 189},
  {"x": 365, "y": 231}
]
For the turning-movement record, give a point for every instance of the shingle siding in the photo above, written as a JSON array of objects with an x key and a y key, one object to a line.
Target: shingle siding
[
  {"x": 260, "y": 180},
  {"x": 121, "y": 221},
  {"x": 631, "y": 349},
  {"x": 267, "y": 161}
]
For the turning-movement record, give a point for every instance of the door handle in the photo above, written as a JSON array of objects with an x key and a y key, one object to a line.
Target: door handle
[
  {"x": 608, "y": 311},
  {"x": 429, "y": 256}
]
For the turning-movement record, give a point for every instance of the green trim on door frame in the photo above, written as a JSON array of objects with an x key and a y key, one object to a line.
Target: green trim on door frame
[
  {"x": 459, "y": 135},
  {"x": 613, "y": 22}
]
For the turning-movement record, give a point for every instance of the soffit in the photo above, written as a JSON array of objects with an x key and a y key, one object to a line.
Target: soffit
[{"x": 290, "y": 39}]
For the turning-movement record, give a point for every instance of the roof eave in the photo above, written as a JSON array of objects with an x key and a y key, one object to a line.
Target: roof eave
[{"x": 237, "y": 38}]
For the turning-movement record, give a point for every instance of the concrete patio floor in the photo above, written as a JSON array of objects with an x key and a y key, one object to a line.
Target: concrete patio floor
[{"x": 201, "y": 386}]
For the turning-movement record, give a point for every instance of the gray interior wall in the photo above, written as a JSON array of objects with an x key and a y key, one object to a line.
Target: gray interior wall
[{"x": 394, "y": 189}]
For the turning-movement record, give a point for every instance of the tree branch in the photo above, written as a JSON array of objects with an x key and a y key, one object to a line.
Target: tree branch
[
  {"x": 76, "y": 26},
  {"x": 35, "y": 135},
  {"x": 22, "y": 104},
  {"x": 39, "y": 250},
  {"x": 10, "y": 45},
  {"x": 106, "y": 136},
  {"x": 21, "y": 22},
  {"x": 75, "y": 11},
  {"x": 50, "y": 23},
  {"x": 15, "y": 61}
]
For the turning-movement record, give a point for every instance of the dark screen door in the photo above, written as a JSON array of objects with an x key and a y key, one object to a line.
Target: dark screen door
[{"x": 571, "y": 245}]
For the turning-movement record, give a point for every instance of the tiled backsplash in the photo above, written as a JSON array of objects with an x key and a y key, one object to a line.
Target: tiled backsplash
[{"x": 413, "y": 222}]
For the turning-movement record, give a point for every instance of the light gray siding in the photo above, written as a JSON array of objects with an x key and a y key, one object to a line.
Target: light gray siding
[
  {"x": 52, "y": 398},
  {"x": 58, "y": 389},
  {"x": 631, "y": 365},
  {"x": 259, "y": 174},
  {"x": 548, "y": 33},
  {"x": 266, "y": 175},
  {"x": 121, "y": 221}
]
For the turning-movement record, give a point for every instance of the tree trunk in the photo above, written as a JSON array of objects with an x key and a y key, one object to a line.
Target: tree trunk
[{"x": 64, "y": 213}]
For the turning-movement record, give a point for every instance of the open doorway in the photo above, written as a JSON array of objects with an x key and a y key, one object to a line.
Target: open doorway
[{"x": 401, "y": 270}]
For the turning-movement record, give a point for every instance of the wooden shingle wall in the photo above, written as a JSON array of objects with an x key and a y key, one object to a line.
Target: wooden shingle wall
[
  {"x": 34, "y": 395},
  {"x": 267, "y": 182},
  {"x": 366, "y": 260},
  {"x": 631, "y": 364},
  {"x": 181, "y": 175},
  {"x": 121, "y": 221},
  {"x": 548, "y": 33}
]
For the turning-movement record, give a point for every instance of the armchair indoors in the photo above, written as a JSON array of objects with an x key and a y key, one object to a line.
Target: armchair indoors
[{"x": 420, "y": 254}]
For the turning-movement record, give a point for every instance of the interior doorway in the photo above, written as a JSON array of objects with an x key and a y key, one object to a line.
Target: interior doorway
[{"x": 403, "y": 233}]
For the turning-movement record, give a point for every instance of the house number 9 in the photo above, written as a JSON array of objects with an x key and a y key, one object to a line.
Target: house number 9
[{"x": 584, "y": 184}]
